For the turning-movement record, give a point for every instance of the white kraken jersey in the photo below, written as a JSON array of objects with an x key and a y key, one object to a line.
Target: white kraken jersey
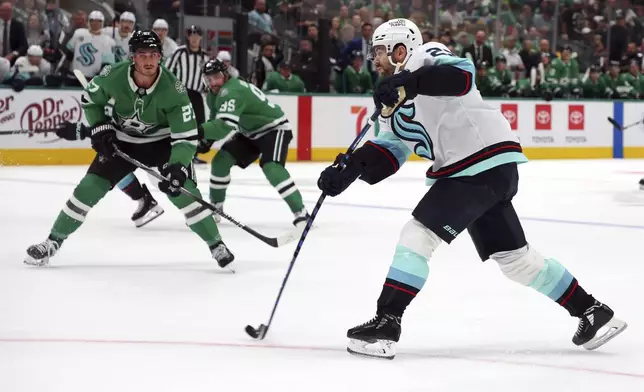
[
  {"x": 463, "y": 135},
  {"x": 122, "y": 48},
  {"x": 169, "y": 46},
  {"x": 91, "y": 51}
]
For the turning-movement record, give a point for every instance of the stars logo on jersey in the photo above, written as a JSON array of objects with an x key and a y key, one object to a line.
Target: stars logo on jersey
[
  {"x": 134, "y": 123},
  {"x": 106, "y": 70},
  {"x": 406, "y": 128},
  {"x": 223, "y": 92},
  {"x": 180, "y": 87}
]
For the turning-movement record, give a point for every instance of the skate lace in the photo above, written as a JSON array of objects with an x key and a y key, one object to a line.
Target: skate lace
[
  {"x": 47, "y": 248},
  {"x": 373, "y": 320}
]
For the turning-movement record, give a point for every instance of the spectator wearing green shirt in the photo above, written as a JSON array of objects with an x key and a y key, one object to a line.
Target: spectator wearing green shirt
[
  {"x": 283, "y": 81},
  {"x": 355, "y": 79}
]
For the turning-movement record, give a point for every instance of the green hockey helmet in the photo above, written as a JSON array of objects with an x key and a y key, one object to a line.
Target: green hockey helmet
[{"x": 500, "y": 57}]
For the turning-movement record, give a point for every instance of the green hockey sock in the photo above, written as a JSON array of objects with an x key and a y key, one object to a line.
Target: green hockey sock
[
  {"x": 278, "y": 176},
  {"x": 88, "y": 192},
  {"x": 198, "y": 217},
  {"x": 220, "y": 175}
]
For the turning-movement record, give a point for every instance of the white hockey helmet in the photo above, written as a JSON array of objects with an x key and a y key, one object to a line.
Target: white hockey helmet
[
  {"x": 96, "y": 15},
  {"x": 395, "y": 32},
  {"x": 128, "y": 16},
  {"x": 35, "y": 50},
  {"x": 160, "y": 24}
]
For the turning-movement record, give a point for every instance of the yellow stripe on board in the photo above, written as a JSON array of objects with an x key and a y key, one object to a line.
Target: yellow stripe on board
[
  {"x": 329, "y": 154},
  {"x": 77, "y": 156},
  {"x": 633, "y": 152},
  {"x": 72, "y": 156}
]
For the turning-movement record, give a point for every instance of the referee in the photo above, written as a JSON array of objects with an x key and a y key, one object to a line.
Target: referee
[{"x": 186, "y": 63}]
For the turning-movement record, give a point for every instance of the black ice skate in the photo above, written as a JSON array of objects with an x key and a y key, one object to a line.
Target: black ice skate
[
  {"x": 301, "y": 218},
  {"x": 375, "y": 338},
  {"x": 223, "y": 256},
  {"x": 642, "y": 184},
  {"x": 148, "y": 209},
  {"x": 198, "y": 161},
  {"x": 39, "y": 254},
  {"x": 595, "y": 318}
]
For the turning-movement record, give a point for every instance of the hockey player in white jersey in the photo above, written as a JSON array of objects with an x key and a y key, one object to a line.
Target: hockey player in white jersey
[
  {"x": 473, "y": 179},
  {"x": 160, "y": 26},
  {"x": 90, "y": 49},
  {"x": 122, "y": 35}
]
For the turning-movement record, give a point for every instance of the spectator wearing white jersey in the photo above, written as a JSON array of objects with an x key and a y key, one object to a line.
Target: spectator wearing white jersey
[
  {"x": 33, "y": 65},
  {"x": 160, "y": 26},
  {"x": 122, "y": 38},
  {"x": 225, "y": 57}
]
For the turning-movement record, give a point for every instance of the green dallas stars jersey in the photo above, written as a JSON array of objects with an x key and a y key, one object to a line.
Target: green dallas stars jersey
[
  {"x": 241, "y": 106},
  {"x": 163, "y": 111}
]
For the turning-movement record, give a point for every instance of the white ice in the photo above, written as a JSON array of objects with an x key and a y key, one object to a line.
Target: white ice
[{"x": 126, "y": 309}]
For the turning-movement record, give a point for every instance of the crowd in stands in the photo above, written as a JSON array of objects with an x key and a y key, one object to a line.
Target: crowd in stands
[{"x": 523, "y": 48}]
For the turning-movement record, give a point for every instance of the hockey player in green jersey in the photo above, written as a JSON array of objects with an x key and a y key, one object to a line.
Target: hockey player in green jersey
[
  {"x": 142, "y": 109},
  {"x": 563, "y": 75},
  {"x": 616, "y": 85},
  {"x": 482, "y": 81},
  {"x": 283, "y": 81},
  {"x": 594, "y": 87},
  {"x": 634, "y": 80},
  {"x": 501, "y": 80},
  {"x": 355, "y": 78},
  {"x": 261, "y": 131}
]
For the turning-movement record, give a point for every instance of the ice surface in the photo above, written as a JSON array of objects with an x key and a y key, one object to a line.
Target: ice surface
[{"x": 126, "y": 309}]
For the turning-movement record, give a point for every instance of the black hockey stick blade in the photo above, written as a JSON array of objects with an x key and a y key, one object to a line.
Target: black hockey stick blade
[
  {"x": 274, "y": 242},
  {"x": 615, "y": 123},
  {"x": 258, "y": 333}
]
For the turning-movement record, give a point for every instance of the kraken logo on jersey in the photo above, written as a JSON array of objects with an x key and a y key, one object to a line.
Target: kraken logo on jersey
[
  {"x": 87, "y": 52},
  {"x": 120, "y": 53},
  {"x": 404, "y": 126}
]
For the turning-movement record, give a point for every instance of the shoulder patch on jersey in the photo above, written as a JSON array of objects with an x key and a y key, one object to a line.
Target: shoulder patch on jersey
[
  {"x": 180, "y": 87},
  {"x": 106, "y": 70},
  {"x": 223, "y": 92}
]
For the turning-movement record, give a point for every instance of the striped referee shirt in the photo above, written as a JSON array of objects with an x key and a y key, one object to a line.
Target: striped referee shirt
[{"x": 186, "y": 65}]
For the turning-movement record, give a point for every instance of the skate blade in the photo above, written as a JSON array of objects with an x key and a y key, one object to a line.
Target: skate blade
[
  {"x": 383, "y": 349},
  {"x": 229, "y": 267},
  {"x": 612, "y": 328},
  {"x": 36, "y": 262},
  {"x": 154, "y": 213}
]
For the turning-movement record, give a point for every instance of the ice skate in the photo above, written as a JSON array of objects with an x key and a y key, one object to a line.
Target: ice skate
[
  {"x": 198, "y": 161},
  {"x": 39, "y": 254},
  {"x": 223, "y": 256},
  {"x": 642, "y": 184},
  {"x": 375, "y": 338},
  {"x": 301, "y": 218},
  {"x": 147, "y": 211},
  {"x": 592, "y": 321}
]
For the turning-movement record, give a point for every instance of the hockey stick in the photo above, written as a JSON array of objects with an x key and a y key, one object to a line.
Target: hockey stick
[
  {"x": 274, "y": 242},
  {"x": 261, "y": 331},
  {"x": 622, "y": 128}
]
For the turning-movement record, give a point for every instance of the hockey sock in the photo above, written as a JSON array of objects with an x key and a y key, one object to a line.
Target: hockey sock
[
  {"x": 220, "y": 175},
  {"x": 131, "y": 186},
  {"x": 88, "y": 192},
  {"x": 198, "y": 217},
  {"x": 279, "y": 177},
  {"x": 547, "y": 276},
  {"x": 409, "y": 269}
]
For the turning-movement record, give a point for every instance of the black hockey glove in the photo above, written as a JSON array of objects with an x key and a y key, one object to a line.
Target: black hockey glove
[
  {"x": 204, "y": 146},
  {"x": 103, "y": 138},
  {"x": 72, "y": 131},
  {"x": 387, "y": 91},
  {"x": 334, "y": 180},
  {"x": 176, "y": 176}
]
